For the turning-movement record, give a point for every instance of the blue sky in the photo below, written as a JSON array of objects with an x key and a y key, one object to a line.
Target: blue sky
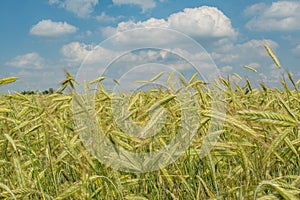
[{"x": 41, "y": 38}]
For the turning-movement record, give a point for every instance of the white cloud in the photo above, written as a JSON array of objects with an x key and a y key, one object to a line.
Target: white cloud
[
  {"x": 229, "y": 58},
  {"x": 279, "y": 16},
  {"x": 143, "y": 36},
  {"x": 275, "y": 74},
  {"x": 255, "y": 8},
  {"x": 84, "y": 35},
  {"x": 296, "y": 51},
  {"x": 241, "y": 54},
  {"x": 251, "y": 53},
  {"x": 291, "y": 39},
  {"x": 90, "y": 54},
  {"x": 226, "y": 69},
  {"x": 152, "y": 22},
  {"x": 103, "y": 17},
  {"x": 203, "y": 24},
  {"x": 144, "y": 4},
  {"x": 51, "y": 29},
  {"x": 202, "y": 21},
  {"x": 28, "y": 61},
  {"x": 93, "y": 60},
  {"x": 81, "y": 8},
  {"x": 38, "y": 79},
  {"x": 77, "y": 53},
  {"x": 197, "y": 22},
  {"x": 35, "y": 72}
]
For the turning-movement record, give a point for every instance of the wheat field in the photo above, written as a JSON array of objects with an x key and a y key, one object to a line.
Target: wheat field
[{"x": 257, "y": 154}]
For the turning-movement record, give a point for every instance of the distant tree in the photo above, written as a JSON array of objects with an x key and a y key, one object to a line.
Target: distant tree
[
  {"x": 28, "y": 92},
  {"x": 45, "y": 92},
  {"x": 49, "y": 91}
]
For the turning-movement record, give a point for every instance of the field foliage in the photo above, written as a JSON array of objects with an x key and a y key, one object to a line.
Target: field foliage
[{"x": 257, "y": 155}]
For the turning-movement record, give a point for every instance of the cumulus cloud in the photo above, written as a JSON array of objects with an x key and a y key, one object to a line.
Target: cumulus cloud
[
  {"x": 49, "y": 28},
  {"x": 28, "y": 61},
  {"x": 141, "y": 33},
  {"x": 249, "y": 53},
  {"x": 203, "y": 21},
  {"x": 279, "y": 16},
  {"x": 81, "y": 8},
  {"x": 144, "y": 4},
  {"x": 125, "y": 26},
  {"x": 94, "y": 60},
  {"x": 33, "y": 69},
  {"x": 77, "y": 53},
  {"x": 231, "y": 58},
  {"x": 255, "y": 8},
  {"x": 90, "y": 54}
]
